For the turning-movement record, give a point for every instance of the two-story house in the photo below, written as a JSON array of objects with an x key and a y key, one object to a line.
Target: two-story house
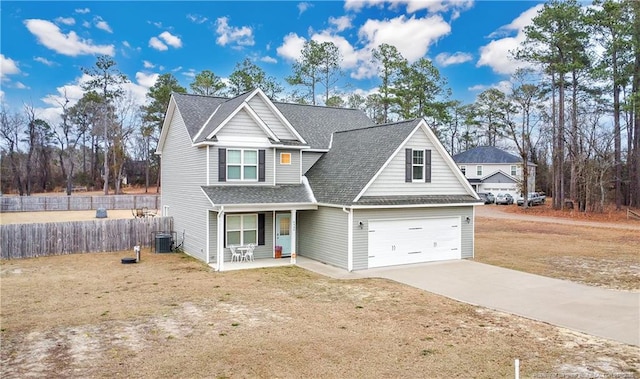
[
  {"x": 490, "y": 169},
  {"x": 323, "y": 183}
]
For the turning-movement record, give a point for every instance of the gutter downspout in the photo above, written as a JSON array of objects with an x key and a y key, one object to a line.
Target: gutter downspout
[
  {"x": 220, "y": 240},
  {"x": 349, "y": 237}
]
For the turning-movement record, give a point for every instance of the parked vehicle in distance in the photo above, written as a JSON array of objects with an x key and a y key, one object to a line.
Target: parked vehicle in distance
[
  {"x": 504, "y": 198},
  {"x": 489, "y": 196},
  {"x": 484, "y": 198},
  {"x": 534, "y": 198}
]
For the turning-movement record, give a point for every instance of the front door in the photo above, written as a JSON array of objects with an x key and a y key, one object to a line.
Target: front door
[{"x": 283, "y": 232}]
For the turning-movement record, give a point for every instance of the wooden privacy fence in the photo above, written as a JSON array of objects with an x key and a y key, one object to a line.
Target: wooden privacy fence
[
  {"x": 57, "y": 238},
  {"x": 76, "y": 203}
]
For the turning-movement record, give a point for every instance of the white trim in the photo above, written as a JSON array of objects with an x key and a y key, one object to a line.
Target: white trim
[
  {"x": 202, "y": 128},
  {"x": 234, "y": 144},
  {"x": 208, "y": 250},
  {"x": 275, "y": 170},
  {"x": 208, "y": 168},
  {"x": 268, "y": 207},
  {"x": 401, "y": 206},
  {"x": 318, "y": 150},
  {"x": 307, "y": 186},
  {"x": 293, "y": 235},
  {"x": 473, "y": 233},
  {"x": 453, "y": 166},
  {"x": 242, "y": 229},
  {"x": 242, "y": 164},
  {"x": 384, "y": 166},
  {"x": 253, "y": 115},
  {"x": 349, "y": 238},
  {"x": 285, "y": 164},
  {"x": 277, "y": 112},
  {"x": 300, "y": 172},
  {"x": 166, "y": 123},
  {"x": 220, "y": 240}
]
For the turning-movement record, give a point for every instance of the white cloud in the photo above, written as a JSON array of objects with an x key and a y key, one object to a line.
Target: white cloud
[
  {"x": 412, "y": 6},
  {"x": 171, "y": 40},
  {"x": 83, "y": 10},
  {"x": 126, "y": 44},
  {"x": 66, "y": 20},
  {"x": 176, "y": 69},
  {"x": 191, "y": 73},
  {"x": 196, "y": 18},
  {"x": 411, "y": 36},
  {"x": 303, "y": 7},
  {"x": 241, "y": 36},
  {"x": 291, "y": 47},
  {"x": 102, "y": 25},
  {"x": 350, "y": 57},
  {"x": 146, "y": 80},
  {"x": 268, "y": 59},
  {"x": 340, "y": 23},
  {"x": 165, "y": 38},
  {"x": 86, "y": 24},
  {"x": 20, "y": 85},
  {"x": 70, "y": 44},
  {"x": 8, "y": 66},
  {"x": 446, "y": 59},
  {"x": 357, "y": 5},
  {"x": 157, "y": 44},
  {"x": 44, "y": 61},
  {"x": 148, "y": 64},
  {"x": 497, "y": 53}
]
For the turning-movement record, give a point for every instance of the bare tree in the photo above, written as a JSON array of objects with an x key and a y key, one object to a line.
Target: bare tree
[{"x": 10, "y": 126}]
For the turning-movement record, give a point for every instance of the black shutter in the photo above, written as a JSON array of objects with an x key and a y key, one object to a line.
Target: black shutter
[
  {"x": 224, "y": 231},
  {"x": 222, "y": 165},
  {"x": 261, "y": 229},
  {"x": 427, "y": 166},
  {"x": 261, "y": 166},
  {"x": 408, "y": 174}
]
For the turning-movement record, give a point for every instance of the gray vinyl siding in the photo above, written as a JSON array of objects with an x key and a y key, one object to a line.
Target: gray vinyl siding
[
  {"x": 261, "y": 251},
  {"x": 288, "y": 174},
  {"x": 183, "y": 172},
  {"x": 323, "y": 236},
  {"x": 213, "y": 237},
  {"x": 309, "y": 158},
  {"x": 269, "y": 118},
  {"x": 242, "y": 125},
  {"x": 213, "y": 169},
  {"x": 361, "y": 236},
  {"x": 391, "y": 180}
]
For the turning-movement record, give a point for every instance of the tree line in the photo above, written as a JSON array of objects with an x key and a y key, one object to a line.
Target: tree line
[{"x": 573, "y": 111}]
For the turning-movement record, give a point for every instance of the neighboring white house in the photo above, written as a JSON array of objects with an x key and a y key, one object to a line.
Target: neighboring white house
[{"x": 490, "y": 169}]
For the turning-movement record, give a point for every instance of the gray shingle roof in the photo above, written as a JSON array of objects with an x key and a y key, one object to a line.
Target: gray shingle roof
[
  {"x": 315, "y": 124},
  {"x": 225, "y": 109},
  {"x": 196, "y": 109},
  {"x": 355, "y": 157},
  {"x": 486, "y": 154},
  {"x": 236, "y": 195}
]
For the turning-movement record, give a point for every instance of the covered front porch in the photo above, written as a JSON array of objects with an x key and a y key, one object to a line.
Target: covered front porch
[{"x": 257, "y": 216}]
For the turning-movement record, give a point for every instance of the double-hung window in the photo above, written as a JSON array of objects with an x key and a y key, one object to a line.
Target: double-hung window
[
  {"x": 479, "y": 170},
  {"x": 514, "y": 170},
  {"x": 242, "y": 164},
  {"x": 418, "y": 165},
  {"x": 242, "y": 229}
]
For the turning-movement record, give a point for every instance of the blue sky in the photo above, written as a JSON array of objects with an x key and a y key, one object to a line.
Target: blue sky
[{"x": 44, "y": 44}]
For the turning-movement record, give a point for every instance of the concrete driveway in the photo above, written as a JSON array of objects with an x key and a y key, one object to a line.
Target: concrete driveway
[{"x": 596, "y": 311}]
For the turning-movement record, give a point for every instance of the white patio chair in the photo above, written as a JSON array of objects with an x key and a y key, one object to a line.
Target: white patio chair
[
  {"x": 248, "y": 255},
  {"x": 236, "y": 255}
]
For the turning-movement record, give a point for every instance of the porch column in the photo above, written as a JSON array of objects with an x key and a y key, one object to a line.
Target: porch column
[
  {"x": 294, "y": 236},
  {"x": 220, "y": 240}
]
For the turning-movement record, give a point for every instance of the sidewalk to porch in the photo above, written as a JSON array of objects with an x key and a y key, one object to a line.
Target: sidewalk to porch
[{"x": 306, "y": 263}]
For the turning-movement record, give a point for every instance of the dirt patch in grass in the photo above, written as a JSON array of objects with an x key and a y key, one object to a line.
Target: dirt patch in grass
[
  {"x": 604, "y": 257},
  {"x": 171, "y": 316},
  {"x": 60, "y": 216}
]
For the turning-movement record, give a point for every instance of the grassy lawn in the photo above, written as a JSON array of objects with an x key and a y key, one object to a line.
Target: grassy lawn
[
  {"x": 170, "y": 316},
  {"x": 602, "y": 257}
]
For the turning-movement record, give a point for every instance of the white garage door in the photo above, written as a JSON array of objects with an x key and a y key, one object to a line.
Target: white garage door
[{"x": 396, "y": 242}]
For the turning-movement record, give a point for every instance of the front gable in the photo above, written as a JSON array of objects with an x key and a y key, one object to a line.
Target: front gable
[
  {"x": 498, "y": 177},
  {"x": 243, "y": 126},
  {"x": 444, "y": 179}
]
